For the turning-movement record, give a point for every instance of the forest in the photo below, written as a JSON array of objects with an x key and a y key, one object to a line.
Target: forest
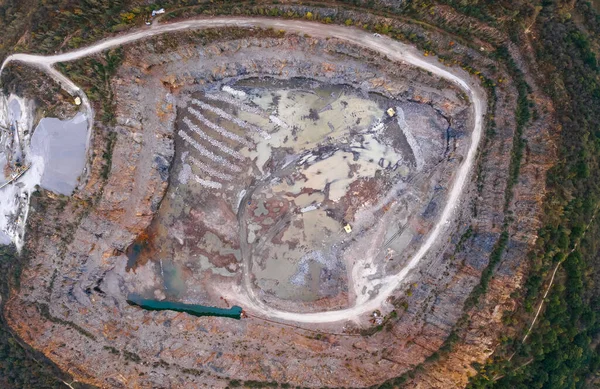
[{"x": 562, "y": 351}]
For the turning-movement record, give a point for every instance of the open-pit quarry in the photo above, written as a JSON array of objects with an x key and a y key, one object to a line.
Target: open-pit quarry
[{"x": 320, "y": 178}]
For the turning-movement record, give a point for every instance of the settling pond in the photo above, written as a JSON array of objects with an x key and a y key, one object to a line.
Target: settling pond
[
  {"x": 234, "y": 312},
  {"x": 61, "y": 145}
]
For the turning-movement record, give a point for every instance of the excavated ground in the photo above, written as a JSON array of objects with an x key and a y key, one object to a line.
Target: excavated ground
[
  {"x": 236, "y": 166},
  {"x": 269, "y": 170},
  {"x": 292, "y": 188}
]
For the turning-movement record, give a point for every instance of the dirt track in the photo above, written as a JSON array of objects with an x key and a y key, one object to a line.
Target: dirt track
[{"x": 394, "y": 50}]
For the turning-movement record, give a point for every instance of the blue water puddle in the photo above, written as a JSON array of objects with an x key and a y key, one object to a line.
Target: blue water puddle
[{"x": 234, "y": 312}]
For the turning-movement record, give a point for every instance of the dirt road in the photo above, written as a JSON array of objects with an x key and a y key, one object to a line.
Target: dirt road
[{"x": 394, "y": 50}]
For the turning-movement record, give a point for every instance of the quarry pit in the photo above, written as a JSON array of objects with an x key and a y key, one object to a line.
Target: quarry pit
[
  {"x": 299, "y": 191},
  {"x": 301, "y": 175},
  {"x": 280, "y": 185}
]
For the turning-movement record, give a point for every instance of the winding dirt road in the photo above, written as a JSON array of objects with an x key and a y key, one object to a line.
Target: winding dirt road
[{"x": 394, "y": 50}]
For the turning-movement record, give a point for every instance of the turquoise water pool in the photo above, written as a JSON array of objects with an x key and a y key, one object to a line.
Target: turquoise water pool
[{"x": 234, "y": 312}]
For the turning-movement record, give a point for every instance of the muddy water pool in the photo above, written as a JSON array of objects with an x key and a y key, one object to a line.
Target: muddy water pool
[
  {"x": 267, "y": 174},
  {"x": 61, "y": 145}
]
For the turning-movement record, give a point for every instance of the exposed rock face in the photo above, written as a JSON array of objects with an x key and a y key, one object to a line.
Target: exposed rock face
[
  {"x": 72, "y": 301},
  {"x": 124, "y": 207}
]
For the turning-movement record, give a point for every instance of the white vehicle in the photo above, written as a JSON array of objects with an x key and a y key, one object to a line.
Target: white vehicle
[
  {"x": 160, "y": 11},
  {"x": 377, "y": 35}
]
